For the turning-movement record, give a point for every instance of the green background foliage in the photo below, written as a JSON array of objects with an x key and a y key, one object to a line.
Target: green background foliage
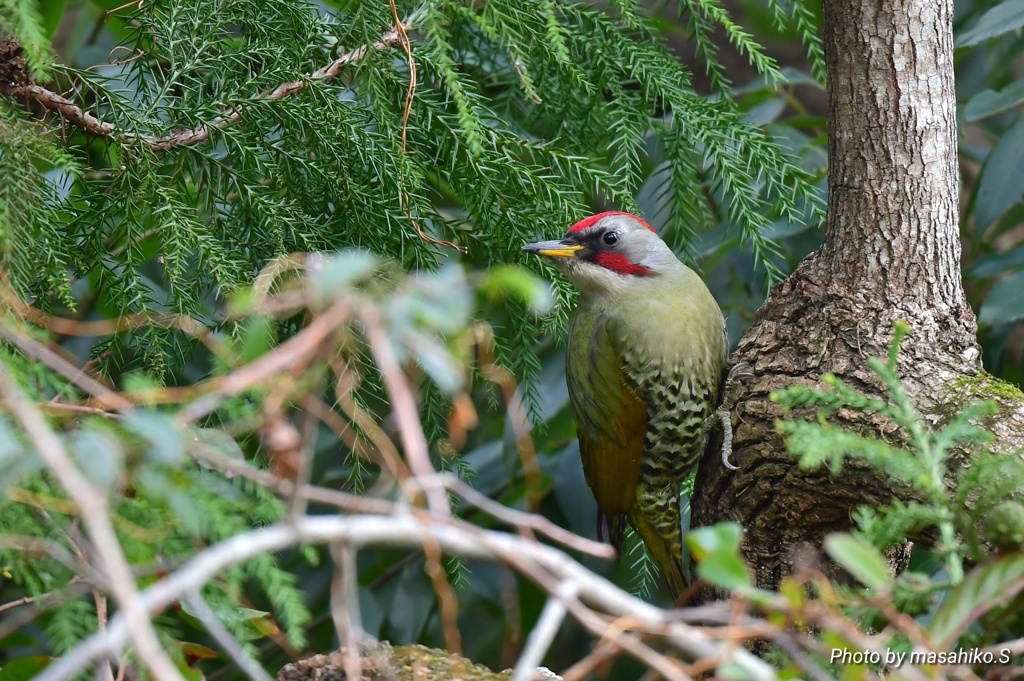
[{"x": 526, "y": 116}]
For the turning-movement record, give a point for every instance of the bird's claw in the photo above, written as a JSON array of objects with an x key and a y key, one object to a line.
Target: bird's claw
[
  {"x": 739, "y": 369},
  {"x": 724, "y": 410}
]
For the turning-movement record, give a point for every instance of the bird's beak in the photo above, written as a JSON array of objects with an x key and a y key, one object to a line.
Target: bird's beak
[{"x": 556, "y": 248}]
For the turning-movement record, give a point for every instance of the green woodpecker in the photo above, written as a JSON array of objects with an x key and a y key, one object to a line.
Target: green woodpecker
[{"x": 645, "y": 358}]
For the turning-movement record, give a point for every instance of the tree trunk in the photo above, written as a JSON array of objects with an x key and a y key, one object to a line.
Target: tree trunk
[{"x": 891, "y": 252}]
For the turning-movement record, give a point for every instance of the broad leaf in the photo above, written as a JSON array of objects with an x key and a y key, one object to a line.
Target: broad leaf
[
  {"x": 1003, "y": 302},
  {"x": 24, "y": 668},
  {"x": 98, "y": 454},
  {"x": 1002, "y": 178},
  {"x": 860, "y": 559},
  {"x": 984, "y": 588},
  {"x": 725, "y": 570},
  {"x": 166, "y": 445},
  {"x": 1000, "y": 20},
  {"x": 719, "y": 538},
  {"x": 342, "y": 270},
  {"x": 990, "y": 102},
  {"x": 995, "y": 264}
]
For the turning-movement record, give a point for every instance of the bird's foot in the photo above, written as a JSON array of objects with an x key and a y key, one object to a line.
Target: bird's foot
[
  {"x": 738, "y": 369},
  {"x": 724, "y": 412},
  {"x": 724, "y": 417}
]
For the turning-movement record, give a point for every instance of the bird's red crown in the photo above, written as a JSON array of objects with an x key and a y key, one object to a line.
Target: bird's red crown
[{"x": 587, "y": 222}]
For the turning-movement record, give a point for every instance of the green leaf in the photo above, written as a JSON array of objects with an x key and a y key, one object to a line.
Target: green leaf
[
  {"x": 860, "y": 559},
  {"x": 1000, "y": 20},
  {"x": 724, "y": 569},
  {"x": 196, "y": 651},
  {"x": 217, "y": 441},
  {"x": 98, "y": 455},
  {"x": 440, "y": 365},
  {"x": 1002, "y": 304},
  {"x": 166, "y": 445},
  {"x": 245, "y": 623},
  {"x": 1002, "y": 178},
  {"x": 24, "y": 668},
  {"x": 995, "y": 264},
  {"x": 990, "y": 102},
  {"x": 255, "y": 623},
  {"x": 509, "y": 280},
  {"x": 342, "y": 270},
  {"x": 257, "y": 338},
  {"x": 719, "y": 538},
  {"x": 984, "y": 588}
]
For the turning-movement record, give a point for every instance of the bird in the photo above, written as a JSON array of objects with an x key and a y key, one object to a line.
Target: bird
[{"x": 645, "y": 361}]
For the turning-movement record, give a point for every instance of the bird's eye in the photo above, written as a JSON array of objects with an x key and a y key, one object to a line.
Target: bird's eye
[{"x": 610, "y": 238}]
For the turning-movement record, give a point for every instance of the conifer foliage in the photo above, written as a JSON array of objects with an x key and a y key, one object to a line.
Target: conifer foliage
[{"x": 231, "y": 133}]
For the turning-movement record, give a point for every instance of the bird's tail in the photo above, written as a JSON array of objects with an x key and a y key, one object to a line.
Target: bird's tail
[{"x": 655, "y": 517}]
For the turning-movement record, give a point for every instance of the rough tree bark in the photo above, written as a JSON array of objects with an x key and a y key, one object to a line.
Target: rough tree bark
[{"x": 891, "y": 252}]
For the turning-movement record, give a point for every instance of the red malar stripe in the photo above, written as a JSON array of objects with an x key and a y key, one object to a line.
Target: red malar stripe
[
  {"x": 616, "y": 262},
  {"x": 587, "y": 222}
]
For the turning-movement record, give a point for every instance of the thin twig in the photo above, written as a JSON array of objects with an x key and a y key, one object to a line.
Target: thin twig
[
  {"x": 228, "y": 643},
  {"x": 506, "y": 381},
  {"x": 92, "y": 504},
  {"x": 533, "y": 521},
  {"x": 406, "y": 412},
  {"x": 432, "y": 557},
  {"x": 403, "y": 37},
  {"x": 543, "y": 634},
  {"x": 602, "y": 652},
  {"x": 105, "y": 672},
  {"x": 17, "y": 603},
  {"x": 348, "y": 622},
  {"x": 320, "y": 495},
  {"x": 270, "y": 364},
  {"x": 93, "y": 125},
  {"x": 37, "y": 350}
]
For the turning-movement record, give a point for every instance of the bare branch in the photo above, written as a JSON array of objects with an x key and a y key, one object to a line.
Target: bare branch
[
  {"x": 228, "y": 643},
  {"x": 532, "y": 521},
  {"x": 540, "y": 639},
  {"x": 83, "y": 119},
  {"x": 406, "y": 412},
  {"x": 65, "y": 107},
  {"x": 452, "y": 536},
  {"x": 345, "y": 612}
]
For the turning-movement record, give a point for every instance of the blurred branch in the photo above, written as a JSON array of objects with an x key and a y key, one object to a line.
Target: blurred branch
[
  {"x": 294, "y": 350},
  {"x": 550, "y": 564},
  {"x": 343, "y": 327},
  {"x": 39, "y": 351},
  {"x": 345, "y": 607},
  {"x": 506, "y": 380},
  {"x": 92, "y": 504},
  {"x": 542, "y": 635},
  {"x": 406, "y": 412},
  {"x": 223, "y": 637},
  {"x": 532, "y": 521}
]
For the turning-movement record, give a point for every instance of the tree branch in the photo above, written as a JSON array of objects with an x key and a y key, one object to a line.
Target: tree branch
[
  {"x": 73, "y": 113},
  {"x": 452, "y": 536}
]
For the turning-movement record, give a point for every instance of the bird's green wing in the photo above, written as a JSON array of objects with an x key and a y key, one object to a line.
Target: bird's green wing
[{"x": 611, "y": 419}]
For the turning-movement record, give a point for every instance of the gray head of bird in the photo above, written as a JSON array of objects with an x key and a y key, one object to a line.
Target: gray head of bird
[{"x": 609, "y": 252}]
